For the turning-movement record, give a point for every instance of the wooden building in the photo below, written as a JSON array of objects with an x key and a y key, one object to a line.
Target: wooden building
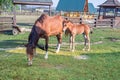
[
  {"x": 75, "y": 8},
  {"x": 110, "y": 9}
]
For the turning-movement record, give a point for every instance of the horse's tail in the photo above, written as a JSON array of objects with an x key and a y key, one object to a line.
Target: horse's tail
[{"x": 67, "y": 32}]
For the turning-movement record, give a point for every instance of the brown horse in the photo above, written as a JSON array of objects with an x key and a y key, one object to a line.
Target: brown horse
[
  {"x": 73, "y": 30},
  {"x": 44, "y": 27}
]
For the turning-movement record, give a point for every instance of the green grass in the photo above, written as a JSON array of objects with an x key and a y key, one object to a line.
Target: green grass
[{"x": 103, "y": 61}]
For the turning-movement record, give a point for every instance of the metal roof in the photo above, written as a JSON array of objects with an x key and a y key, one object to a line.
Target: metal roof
[
  {"x": 111, "y": 3},
  {"x": 91, "y": 8},
  {"x": 71, "y": 5},
  {"x": 33, "y": 2}
]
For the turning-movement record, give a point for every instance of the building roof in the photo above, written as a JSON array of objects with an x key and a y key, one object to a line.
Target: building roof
[
  {"x": 91, "y": 8},
  {"x": 110, "y": 3},
  {"x": 71, "y": 5},
  {"x": 33, "y": 2}
]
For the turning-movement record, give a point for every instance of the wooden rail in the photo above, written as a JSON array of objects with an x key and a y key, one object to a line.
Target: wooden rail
[
  {"x": 94, "y": 22},
  {"x": 6, "y": 23}
]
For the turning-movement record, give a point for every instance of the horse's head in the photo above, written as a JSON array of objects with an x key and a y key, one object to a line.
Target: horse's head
[
  {"x": 32, "y": 42},
  {"x": 67, "y": 24},
  {"x": 29, "y": 49}
]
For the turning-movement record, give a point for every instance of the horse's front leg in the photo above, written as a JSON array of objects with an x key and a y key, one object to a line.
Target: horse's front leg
[
  {"x": 34, "y": 52},
  {"x": 59, "y": 38},
  {"x": 46, "y": 47}
]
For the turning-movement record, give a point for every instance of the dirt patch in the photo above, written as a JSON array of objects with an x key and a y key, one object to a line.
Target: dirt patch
[
  {"x": 99, "y": 42},
  {"x": 113, "y": 39},
  {"x": 81, "y": 57}
]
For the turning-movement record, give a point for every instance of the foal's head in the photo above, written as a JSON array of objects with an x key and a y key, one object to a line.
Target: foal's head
[{"x": 67, "y": 24}]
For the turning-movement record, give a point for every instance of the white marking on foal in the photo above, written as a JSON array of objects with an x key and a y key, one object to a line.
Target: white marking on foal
[{"x": 58, "y": 48}]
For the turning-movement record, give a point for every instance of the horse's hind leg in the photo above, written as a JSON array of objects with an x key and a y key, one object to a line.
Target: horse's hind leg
[
  {"x": 59, "y": 38},
  {"x": 46, "y": 48}
]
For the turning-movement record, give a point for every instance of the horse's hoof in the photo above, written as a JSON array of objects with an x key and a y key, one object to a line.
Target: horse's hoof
[
  {"x": 46, "y": 57},
  {"x": 57, "y": 51},
  {"x": 88, "y": 49},
  {"x": 83, "y": 49},
  {"x": 73, "y": 50},
  {"x": 29, "y": 63}
]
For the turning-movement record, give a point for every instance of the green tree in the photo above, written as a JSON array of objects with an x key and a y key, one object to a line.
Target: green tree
[{"x": 6, "y": 5}]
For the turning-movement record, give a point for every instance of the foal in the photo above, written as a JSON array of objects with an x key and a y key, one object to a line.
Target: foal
[{"x": 73, "y": 30}]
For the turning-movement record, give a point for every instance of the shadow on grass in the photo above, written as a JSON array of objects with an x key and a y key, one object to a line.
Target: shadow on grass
[
  {"x": 12, "y": 43},
  {"x": 25, "y": 24},
  {"x": 53, "y": 47},
  {"x": 6, "y": 32},
  {"x": 112, "y": 38}
]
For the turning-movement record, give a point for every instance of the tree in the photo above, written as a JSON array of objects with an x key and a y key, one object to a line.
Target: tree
[{"x": 6, "y": 5}]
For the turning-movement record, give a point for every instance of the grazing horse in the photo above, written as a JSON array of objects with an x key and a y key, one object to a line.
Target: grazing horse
[
  {"x": 74, "y": 29},
  {"x": 44, "y": 27}
]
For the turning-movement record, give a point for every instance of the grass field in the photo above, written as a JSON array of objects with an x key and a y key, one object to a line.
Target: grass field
[{"x": 102, "y": 63}]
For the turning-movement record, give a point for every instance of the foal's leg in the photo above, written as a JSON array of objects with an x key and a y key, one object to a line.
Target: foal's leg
[
  {"x": 46, "y": 47},
  {"x": 85, "y": 41},
  {"x": 70, "y": 42},
  {"x": 59, "y": 38},
  {"x": 88, "y": 40},
  {"x": 73, "y": 43}
]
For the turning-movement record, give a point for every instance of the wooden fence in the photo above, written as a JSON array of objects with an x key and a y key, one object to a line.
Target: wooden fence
[{"x": 96, "y": 22}]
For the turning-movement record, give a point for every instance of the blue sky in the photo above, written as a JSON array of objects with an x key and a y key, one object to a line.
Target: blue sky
[{"x": 95, "y": 2}]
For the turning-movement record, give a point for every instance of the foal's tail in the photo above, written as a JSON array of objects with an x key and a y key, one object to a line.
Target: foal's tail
[{"x": 67, "y": 32}]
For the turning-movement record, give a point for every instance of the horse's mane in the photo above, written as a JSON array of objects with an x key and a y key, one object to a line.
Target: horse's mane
[
  {"x": 66, "y": 21},
  {"x": 70, "y": 21},
  {"x": 33, "y": 37},
  {"x": 42, "y": 18}
]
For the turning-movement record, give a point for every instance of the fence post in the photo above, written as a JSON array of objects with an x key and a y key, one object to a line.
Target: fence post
[
  {"x": 14, "y": 17},
  {"x": 112, "y": 23},
  {"x": 95, "y": 22},
  {"x": 80, "y": 20},
  {"x": 66, "y": 18}
]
